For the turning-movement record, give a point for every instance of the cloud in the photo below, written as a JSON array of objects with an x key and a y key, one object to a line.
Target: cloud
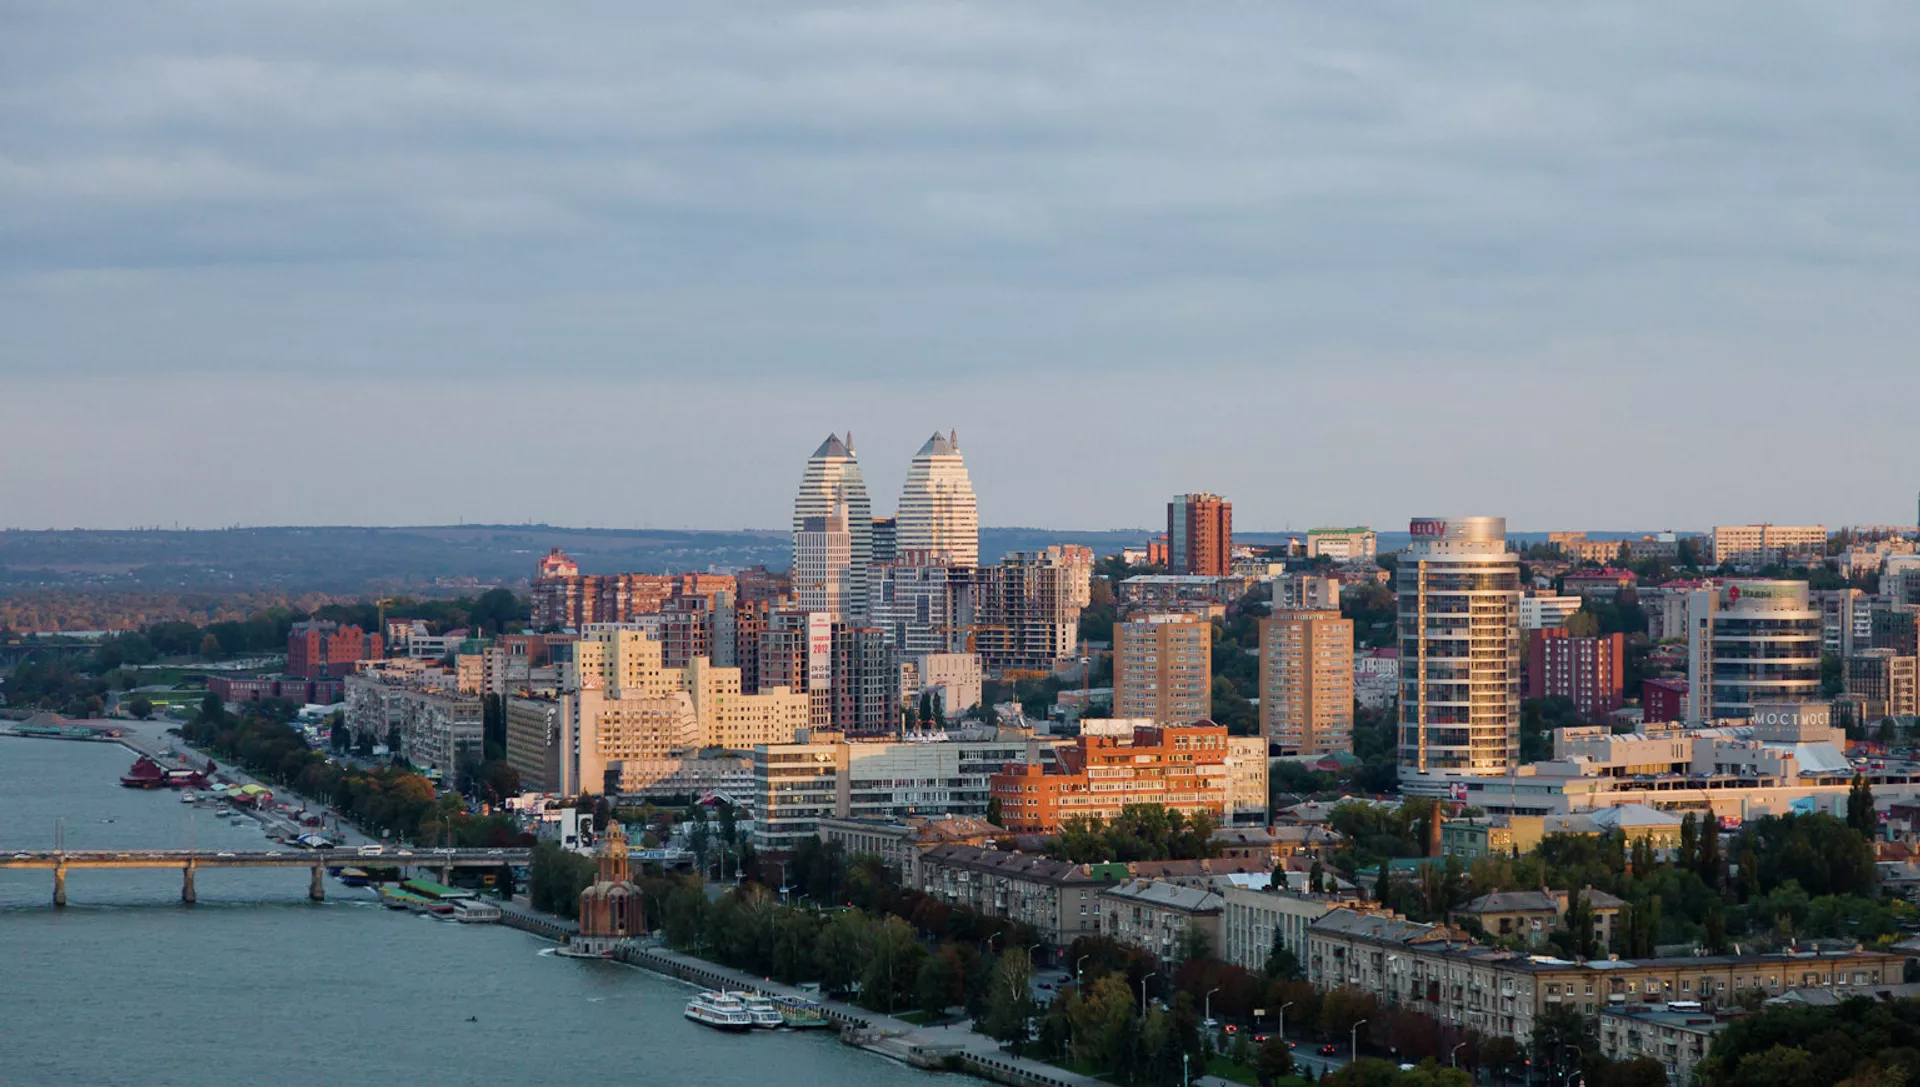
[{"x": 1287, "y": 213}]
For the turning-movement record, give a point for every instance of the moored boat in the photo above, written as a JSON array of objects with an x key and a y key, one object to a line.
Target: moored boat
[
  {"x": 144, "y": 774},
  {"x": 720, "y": 1011},
  {"x": 800, "y": 1014},
  {"x": 760, "y": 1009}
]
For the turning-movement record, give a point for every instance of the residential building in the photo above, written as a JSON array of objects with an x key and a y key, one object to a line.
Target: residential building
[
  {"x": 1343, "y": 544},
  {"x": 1531, "y": 916},
  {"x": 1439, "y": 971},
  {"x": 1896, "y": 627},
  {"x": 438, "y": 728},
  {"x": 307, "y": 692},
  {"x": 1677, "y": 1033},
  {"x": 1663, "y": 699},
  {"x": 1161, "y": 919},
  {"x": 535, "y": 727},
  {"x": 938, "y": 513},
  {"x": 1247, "y": 766},
  {"x": 1589, "y": 671},
  {"x": 954, "y": 678},
  {"x": 1544, "y": 609},
  {"x": 1179, "y": 591},
  {"x": 1023, "y": 613},
  {"x": 1099, "y": 775},
  {"x": 1376, "y": 677},
  {"x": 1304, "y": 592},
  {"x": 1306, "y": 682},
  {"x": 565, "y": 599},
  {"x": 795, "y": 785},
  {"x": 1750, "y": 641},
  {"x": 1058, "y": 898},
  {"x": 322, "y": 649},
  {"x": 833, "y": 479},
  {"x": 1460, "y": 681},
  {"x": 823, "y": 564},
  {"x": 1162, "y": 668},
  {"x": 1605, "y": 582},
  {"x": 886, "y": 539},
  {"x": 917, "y": 599},
  {"x": 899, "y": 843},
  {"x": 1846, "y": 620},
  {"x": 1199, "y": 535},
  {"x": 865, "y": 682},
  {"x": 1253, "y": 921},
  {"x": 1768, "y": 545},
  {"x": 1882, "y": 683}
]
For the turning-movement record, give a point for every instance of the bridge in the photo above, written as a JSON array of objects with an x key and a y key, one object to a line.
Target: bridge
[{"x": 190, "y": 861}]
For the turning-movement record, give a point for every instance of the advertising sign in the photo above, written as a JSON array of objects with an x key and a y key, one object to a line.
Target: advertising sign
[
  {"x": 819, "y": 651},
  {"x": 1426, "y": 528}
]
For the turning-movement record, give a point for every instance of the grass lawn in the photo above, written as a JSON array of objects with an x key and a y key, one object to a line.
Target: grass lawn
[
  {"x": 1220, "y": 1066},
  {"x": 918, "y": 1018}
]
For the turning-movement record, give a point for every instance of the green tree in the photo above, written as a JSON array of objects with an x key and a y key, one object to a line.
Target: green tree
[
  {"x": 1274, "y": 1060},
  {"x": 1282, "y": 964},
  {"x": 1010, "y": 1002},
  {"x": 140, "y": 706}
]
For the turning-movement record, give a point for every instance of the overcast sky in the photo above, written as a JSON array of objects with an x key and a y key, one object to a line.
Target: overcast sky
[{"x": 624, "y": 263}]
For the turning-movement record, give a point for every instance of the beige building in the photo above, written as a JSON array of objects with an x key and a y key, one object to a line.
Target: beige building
[
  {"x": 1162, "y": 668},
  {"x": 1306, "y": 682},
  {"x": 1251, "y": 920},
  {"x": 1677, "y": 1034},
  {"x": 1156, "y": 917},
  {"x": 1342, "y": 544},
  {"x": 438, "y": 728},
  {"x": 1058, "y": 898},
  {"x": 899, "y": 843},
  {"x": 1247, "y": 766},
  {"x": 1439, "y": 971},
  {"x": 534, "y": 729},
  {"x": 1766, "y": 545},
  {"x": 1531, "y": 916}
]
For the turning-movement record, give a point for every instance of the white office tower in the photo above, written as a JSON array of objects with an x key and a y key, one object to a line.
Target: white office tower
[
  {"x": 1750, "y": 642},
  {"x": 1460, "y": 681},
  {"x": 937, "y": 510},
  {"x": 823, "y": 563},
  {"x": 833, "y": 477}
]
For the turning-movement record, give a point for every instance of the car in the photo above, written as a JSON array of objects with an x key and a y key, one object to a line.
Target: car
[
  {"x": 1329, "y": 1051},
  {"x": 1046, "y": 985},
  {"x": 223, "y": 854},
  {"x": 1233, "y": 1028},
  {"x": 23, "y": 856},
  {"x": 1293, "y": 1045},
  {"x": 1260, "y": 1039},
  {"x": 371, "y": 850},
  {"x": 403, "y": 852},
  {"x": 496, "y": 852}
]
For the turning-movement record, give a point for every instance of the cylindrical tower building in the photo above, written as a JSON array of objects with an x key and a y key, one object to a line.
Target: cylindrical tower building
[{"x": 1460, "y": 682}]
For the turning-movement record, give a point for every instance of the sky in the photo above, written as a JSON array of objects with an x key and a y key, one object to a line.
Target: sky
[{"x": 626, "y": 263}]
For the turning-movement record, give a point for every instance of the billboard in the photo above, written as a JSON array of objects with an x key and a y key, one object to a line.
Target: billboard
[{"x": 819, "y": 651}]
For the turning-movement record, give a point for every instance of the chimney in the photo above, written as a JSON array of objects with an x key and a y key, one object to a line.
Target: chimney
[{"x": 1433, "y": 831}]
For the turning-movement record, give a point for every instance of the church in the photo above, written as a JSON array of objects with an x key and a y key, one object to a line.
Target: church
[{"x": 611, "y": 909}]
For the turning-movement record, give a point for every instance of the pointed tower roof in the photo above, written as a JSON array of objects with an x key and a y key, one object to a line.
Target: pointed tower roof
[
  {"x": 832, "y": 447},
  {"x": 940, "y": 445}
]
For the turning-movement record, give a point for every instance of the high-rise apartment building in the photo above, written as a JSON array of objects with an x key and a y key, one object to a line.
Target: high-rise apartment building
[
  {"x": 1022, "y": 613},
  {"x": 886, "y": 539},
  {"x": 1881, "y": 683},
  {"x": 833, "y": 478},
  {"x": 937, "y": 509},
  {"x": 1306, "y": 682},
  {"x": 823, "y": 565},
  {"x": 1459, "y": 603},
  {"x": 917, "y": 601},
  {"x": 322, "y": 649},
  {"x": 1589, "y": 671},
  {"x": 1163, "y": 668},
  {"x": 565, "y": 599},
  {"x": 1767, "y": 545},
  {"x": 1750, "y": 641},
  {"x": 1200, "y": 535},
  {"x": 865, "y": 682}
]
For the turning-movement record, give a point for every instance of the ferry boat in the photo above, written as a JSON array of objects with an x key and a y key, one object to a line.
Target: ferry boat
[
  {"x": 720, "y": 1011},
  {"x": 764, "y": 1015},
  {"x": 800, "y": 1014},
  {"x": 145, "y": 774},
  {"x": 188, "y": 798},
  {"x": 353, "y": 877}
]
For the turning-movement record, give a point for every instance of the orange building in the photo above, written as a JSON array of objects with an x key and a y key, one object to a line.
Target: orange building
[{"x": 1182, "y": 768}]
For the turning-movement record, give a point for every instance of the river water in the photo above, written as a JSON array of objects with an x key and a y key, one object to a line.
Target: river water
[{"x": 256, "y": 984}]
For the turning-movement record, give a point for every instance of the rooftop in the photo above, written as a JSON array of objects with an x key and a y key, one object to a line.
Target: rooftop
[{"x": 1149, "y": 892}]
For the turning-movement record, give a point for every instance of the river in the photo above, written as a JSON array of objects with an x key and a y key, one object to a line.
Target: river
[{"x": 255, "y": 984}]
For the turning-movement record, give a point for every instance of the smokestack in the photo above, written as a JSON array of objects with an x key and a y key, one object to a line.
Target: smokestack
[{"x": 1433, "y": 831}]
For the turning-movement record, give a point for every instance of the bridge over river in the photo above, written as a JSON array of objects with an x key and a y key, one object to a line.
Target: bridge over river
[{"x": 190, "y": 861}]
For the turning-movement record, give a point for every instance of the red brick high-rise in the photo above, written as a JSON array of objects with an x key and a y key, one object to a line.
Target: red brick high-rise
[
  {"x": 1199, "y": 535},
  {"x": 327, "y": 650},
  {"x": 1590, "y": 671}
]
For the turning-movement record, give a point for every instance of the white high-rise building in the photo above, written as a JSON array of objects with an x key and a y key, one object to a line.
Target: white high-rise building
[
  {"x": 937, "y": 509},
  {"x": 823, "y": 564},
  {"x": 833, "y": 477},
  {"x": 1460, "y": 681},
  {"x": 1750, "y": 642}
]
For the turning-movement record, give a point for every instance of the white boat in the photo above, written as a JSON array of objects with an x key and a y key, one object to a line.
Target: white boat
[
  {"x": 720, "y": 1011},
  {"x": 188, "y": 798},
  {"x": 765, "y": 1015}
]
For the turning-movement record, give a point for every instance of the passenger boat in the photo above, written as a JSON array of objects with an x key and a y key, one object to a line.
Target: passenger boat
[
  {"x": 720, "y": 1011},
  {"x": 144, "y": 774},
  {"x": 764, "y": 1015},
  {"x": 353, "y": 877},
  {"x": 800, "y": 1014},
  {"x": 188, "y": 798}
]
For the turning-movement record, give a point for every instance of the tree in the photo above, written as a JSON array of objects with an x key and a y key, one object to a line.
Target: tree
[
  {"x": 1010, "y": 1003},
  {"x": 1282, "y": 964},
  {"x": 1885, "y": 735},
  {"x": 1860, "y": 813},
  {"x": 210, "y": 648},
  {"x": 140, "y": 706},
  {"x": 1274, "y": 1060}
]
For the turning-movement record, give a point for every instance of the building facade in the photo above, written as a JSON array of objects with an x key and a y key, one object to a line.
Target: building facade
[
  {"x": 1589, "y": 671},
  {"x": 1882, "y": 683},
  {"x": 938, "y": 513},
  {"x": 1750, "y": 641},
  {"x": 321, "y": 649},
  {"x": 534, "y": 730},
  {"x": 1162, "y": 668},
  {"x": 917, "y": 601},
  {"x": 1058, "y": 898},
  {"x": 832, "y": 478},
  {"x": 1200, "y": 535},
  {"x": 1099, "y": 775},
  {"x": 1024, "y": 613},
  {"x": 1306, "y": 682},
  {"x": 1459, "y": 592},
  {"x": 1768, "y": 545},
  {"x": 1342, "y": 544},
  {"x": 1158, "y": 918}
]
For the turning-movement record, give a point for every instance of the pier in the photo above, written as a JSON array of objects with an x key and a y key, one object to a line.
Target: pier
[{"x": 191, "y": 861}]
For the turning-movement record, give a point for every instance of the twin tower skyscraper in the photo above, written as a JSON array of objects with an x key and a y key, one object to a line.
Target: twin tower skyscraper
[{"x": 937, "y": 513}]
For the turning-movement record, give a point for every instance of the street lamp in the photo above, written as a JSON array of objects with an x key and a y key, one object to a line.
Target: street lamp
[
  {"x": 1283, "y": 1019},
  {"x": 1565, "y": 1072},
  {"x": 1454, "y": 1057},
  {"x": 1208, "y": 1014},
  {"x": 1076, "y": 967},
  {"x": 1354, "y": 1044},
  {"x": 990, "y": 941},
  {"x": 1143, "y": 991}
]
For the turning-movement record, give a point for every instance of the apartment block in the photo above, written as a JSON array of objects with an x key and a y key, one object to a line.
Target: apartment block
[
  {"x": 321, "y": 649},
  {"x": 1099, "y": 775},
  {"x": 1200, "y": 535},
  {"x": 1768, "y": 545},
  {"x": 917, "y": 599},
  {"x": 438, "y": 728},
  {"x": 1545, "y": 609},
  {"x": 1342, "y": 544},
  {"x": 1058, "y": 898},
  {"x": 1156, "y": 917},
  {"x": 1252, "y": 921},
  {"x": 1882, "y": 683},
  {"x": 1590, "y": 671},
  {"x": 535, "y": 727},
  {"x": 1163, "y": 668},
  {"x": 1306, "y": 682},
  {"x": 1024, "y": 613}
]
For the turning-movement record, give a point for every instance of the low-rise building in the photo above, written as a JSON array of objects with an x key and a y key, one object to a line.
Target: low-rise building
[
  {"x": 1251, "y": 921},
  {"x": 899, "y": 843},
  {"x": 1099, "y": 775},
  {"x": 1058, "y": 898},
  {"x": 1531, "y": 916},
  {"x": 1158, "y": 917},
  {"x": 1677, "y": 1034}
]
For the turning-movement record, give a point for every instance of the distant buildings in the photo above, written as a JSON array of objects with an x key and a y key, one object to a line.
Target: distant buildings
[
  {"x": 938, "y": 513},
  {"x": 438, "y": 728},
  {"x": 1768, "y": 545},
  {"x": 1460, "y": 682},
  {"x": 823, "y": 578},
  {"x": 1024, "y": 613},
  {"x": 1342, "y": 544},
  {"x": 832, "y": 478},
  {"x": 1589, "y": 671},
  {"x": 320, "y": 649},
  {"x": 1306, "y": 682},
  {"x": 1162, "y": 668},
  {"x": 1200, "y": 535},
  {"x": 1882, "y": 683},
  {"x": 1545, "y": 610},
  {"x": 1750, "y": 641}
]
